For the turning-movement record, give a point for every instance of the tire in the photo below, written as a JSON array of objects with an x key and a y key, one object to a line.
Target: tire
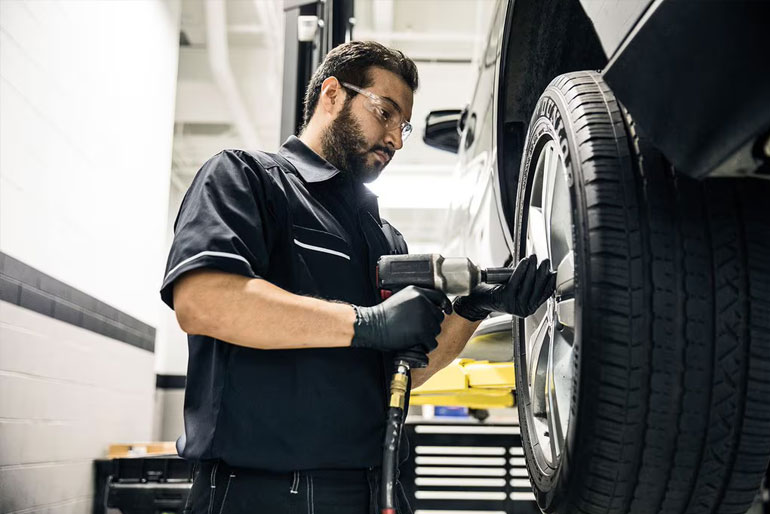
[{"x": 664, "y": 379}]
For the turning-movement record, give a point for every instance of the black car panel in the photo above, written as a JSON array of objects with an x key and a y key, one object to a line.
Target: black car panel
[{"x": 694, "y": 75}]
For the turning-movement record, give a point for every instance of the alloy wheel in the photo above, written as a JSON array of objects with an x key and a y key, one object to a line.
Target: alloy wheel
[{"x": 550, "y": 332}]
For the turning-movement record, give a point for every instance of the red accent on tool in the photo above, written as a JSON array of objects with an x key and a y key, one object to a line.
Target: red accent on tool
[
  {"x": 388, "y": 511},
  {"x": 385, "y": 294}
]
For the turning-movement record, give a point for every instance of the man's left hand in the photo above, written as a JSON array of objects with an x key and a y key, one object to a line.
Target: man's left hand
[{"x": 527, "y": 289}]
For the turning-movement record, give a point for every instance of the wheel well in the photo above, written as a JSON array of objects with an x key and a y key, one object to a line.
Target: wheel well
[{"x": 542, "y": 39}]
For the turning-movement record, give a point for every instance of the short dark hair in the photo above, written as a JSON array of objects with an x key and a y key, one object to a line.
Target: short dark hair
[{"x": 350, "y": 62}]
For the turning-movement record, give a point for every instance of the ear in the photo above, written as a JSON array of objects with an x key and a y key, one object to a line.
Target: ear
[{"x": 332, "y": 96}]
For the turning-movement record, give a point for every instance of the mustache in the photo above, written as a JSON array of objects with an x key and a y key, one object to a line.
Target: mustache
[{"x": 384, "y": 149}]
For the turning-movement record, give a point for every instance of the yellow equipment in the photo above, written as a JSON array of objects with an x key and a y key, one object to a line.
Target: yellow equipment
[{"x": 469, "y": 383}]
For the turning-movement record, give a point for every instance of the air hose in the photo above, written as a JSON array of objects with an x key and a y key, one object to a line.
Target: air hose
[{"x": 399, "y": 390}]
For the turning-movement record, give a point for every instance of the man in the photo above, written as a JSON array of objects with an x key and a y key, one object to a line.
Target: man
[{"x": 271, "y": 274}]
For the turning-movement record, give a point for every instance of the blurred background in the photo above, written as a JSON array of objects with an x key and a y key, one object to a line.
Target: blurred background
[{"x": 107, "y": 110}]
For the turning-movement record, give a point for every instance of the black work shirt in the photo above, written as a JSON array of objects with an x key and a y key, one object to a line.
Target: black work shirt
[{"x": 307, "y": 228}]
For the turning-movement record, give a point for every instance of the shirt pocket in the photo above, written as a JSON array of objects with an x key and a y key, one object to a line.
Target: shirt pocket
[{"x": 327, "y": 259}]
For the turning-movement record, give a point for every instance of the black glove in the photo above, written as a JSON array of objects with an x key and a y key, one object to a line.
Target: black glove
[
  {"x": 410, "y": 319},
  {"x": 528, "y": 287}
]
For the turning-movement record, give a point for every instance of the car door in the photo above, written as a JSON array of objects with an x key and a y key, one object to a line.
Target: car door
[{"x": 476, "y": 231}]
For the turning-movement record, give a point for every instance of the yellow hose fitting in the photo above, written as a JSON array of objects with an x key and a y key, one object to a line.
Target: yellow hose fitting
[{"x": 398, "y": 391}]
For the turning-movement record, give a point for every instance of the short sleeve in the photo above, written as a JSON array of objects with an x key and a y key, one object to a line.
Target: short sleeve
[{"x": 225, "y": 221}]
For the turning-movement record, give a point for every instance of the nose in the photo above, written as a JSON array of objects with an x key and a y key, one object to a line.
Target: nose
[{"x": 393, "y": 138}]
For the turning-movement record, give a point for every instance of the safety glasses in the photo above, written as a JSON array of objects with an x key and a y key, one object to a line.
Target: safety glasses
[{"x": 384, "y": 110}]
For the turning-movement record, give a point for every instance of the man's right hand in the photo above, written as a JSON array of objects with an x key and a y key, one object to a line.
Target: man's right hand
[{"x": 409, "y": 319}]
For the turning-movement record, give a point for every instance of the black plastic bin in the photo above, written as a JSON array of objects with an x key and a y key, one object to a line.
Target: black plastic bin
[{"x": 142, "y": 485}]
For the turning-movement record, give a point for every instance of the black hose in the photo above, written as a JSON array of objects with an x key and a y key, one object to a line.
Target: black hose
[
  {"x": 399, "y": 390},
  {"x": 393, "y": 426}
]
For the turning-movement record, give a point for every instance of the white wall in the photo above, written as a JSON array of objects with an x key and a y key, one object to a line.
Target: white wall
[
  {"x": 170, "y": 340},
  {"x": 86, "y": 127},
  {"x": 87, "y": 102},
  {"x": 170, "y": 349}
]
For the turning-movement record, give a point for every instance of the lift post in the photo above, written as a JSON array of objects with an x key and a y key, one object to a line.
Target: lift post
[{"x": 334, "y": 26}]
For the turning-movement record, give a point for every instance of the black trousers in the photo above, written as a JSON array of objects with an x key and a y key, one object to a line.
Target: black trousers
[{"x": 221, "y": 489}]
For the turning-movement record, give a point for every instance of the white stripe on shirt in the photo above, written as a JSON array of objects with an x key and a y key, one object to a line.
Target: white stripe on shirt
[
  {"x": 204, "y": 254},
  {"x": 321, "y": 249}
]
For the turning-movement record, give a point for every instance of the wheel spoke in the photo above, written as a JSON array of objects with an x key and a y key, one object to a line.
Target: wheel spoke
[
  {"x": 562, "y": 376},
  {"x": 535, "y": 327},
  {"x": 555, "y": 433},
  {"x": 535, "y": 348},
  {"x": 559, "y": 220},
  {"x": 536, "y": 233},
  {"x": 565, "y": 276},
  {"x": 549, "y": 175},
  {"x": 533, "y": 321},
  {"x": 565, "y": 312}
]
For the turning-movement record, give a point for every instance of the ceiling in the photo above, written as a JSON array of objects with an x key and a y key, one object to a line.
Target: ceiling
[{"x": 230, "y": 80}]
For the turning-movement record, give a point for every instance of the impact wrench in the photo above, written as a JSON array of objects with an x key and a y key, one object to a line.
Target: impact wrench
[{"x": 455, "y": 276}]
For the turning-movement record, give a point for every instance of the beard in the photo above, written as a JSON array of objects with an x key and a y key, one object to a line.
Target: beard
[{"x": 346, "y": 148}]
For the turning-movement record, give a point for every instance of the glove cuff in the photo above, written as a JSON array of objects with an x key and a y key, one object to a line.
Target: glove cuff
[
  {"x": 359, "y": 338},
  {"x": 366, "y": 327},
  {"x": 468, "y": 310},
  {"x": 358, "y": 315}
]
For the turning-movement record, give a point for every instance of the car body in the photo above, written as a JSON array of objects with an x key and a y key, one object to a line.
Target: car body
[{"x": 673, "y": 64}]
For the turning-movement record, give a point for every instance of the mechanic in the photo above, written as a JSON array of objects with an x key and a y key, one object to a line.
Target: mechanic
[{"x": 271, "y": 275}]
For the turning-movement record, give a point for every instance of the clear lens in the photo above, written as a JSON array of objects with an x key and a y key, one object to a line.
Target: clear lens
[
  {"x": 406, "y": 131},
  {"x": 387, "y": 114},
  {"x": 389, "y": 117}
]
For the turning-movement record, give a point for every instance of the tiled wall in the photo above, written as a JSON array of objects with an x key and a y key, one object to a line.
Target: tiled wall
[{"x": 66, "y": 393}]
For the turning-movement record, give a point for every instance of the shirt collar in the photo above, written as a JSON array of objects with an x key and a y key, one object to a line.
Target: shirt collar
[
  {"x": 313, "y": 169},
  {"x": 310, "y": 166}
]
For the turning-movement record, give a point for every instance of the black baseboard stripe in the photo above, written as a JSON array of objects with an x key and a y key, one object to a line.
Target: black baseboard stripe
[
  {"x": 170, "y": 381},
  {"x": 27, "y": 287}
]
